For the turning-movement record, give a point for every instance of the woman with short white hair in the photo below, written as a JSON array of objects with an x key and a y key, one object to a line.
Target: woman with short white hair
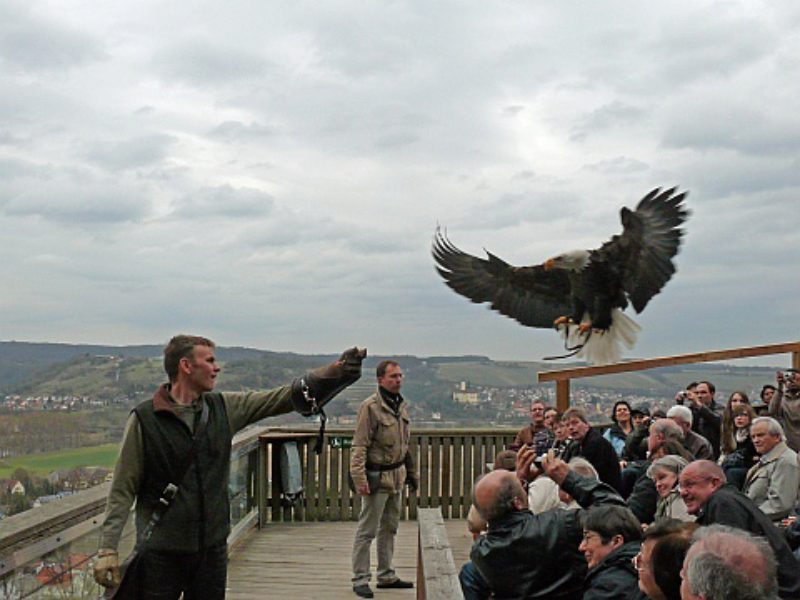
[{"x": 665, "y": 472}]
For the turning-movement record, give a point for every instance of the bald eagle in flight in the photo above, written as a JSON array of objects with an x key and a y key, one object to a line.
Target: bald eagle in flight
[{"x": 581, "y": 292}]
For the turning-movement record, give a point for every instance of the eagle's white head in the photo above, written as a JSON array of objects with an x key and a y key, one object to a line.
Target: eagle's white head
[{"x": 573, "y": 260}]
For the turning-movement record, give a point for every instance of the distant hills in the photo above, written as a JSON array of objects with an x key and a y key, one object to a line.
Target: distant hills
[
  {"x": 39, "y": 383},
  {"x": 129, "y": 371}
]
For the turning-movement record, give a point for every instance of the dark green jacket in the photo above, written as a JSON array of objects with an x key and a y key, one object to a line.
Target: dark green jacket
[{"x": 199, "y": 516}]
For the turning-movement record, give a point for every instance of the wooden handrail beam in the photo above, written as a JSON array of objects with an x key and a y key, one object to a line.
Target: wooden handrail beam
[{"x": 665, "y": 361}]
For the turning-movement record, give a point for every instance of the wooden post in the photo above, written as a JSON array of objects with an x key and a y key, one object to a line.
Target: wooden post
[
  {"x": 562, "y": 395},
  {"x": 261, "y": 483},
  {"x": 796, "y": 359}
]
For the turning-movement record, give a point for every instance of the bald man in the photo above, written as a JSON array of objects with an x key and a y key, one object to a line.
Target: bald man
[
  {"x": 708, "y": 496},
  {"x": 725, "y": 563},
  {"x": 525, "y": 555}
]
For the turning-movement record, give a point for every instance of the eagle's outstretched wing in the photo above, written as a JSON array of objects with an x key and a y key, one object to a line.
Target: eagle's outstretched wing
[
  {"x": 642, "y": 254},
  {"x": 531, "y": 295}
]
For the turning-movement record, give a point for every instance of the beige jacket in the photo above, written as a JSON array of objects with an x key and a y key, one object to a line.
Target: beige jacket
[
  {"x": 772, "y": 483},
  {"x": 380, "y": 438},
  {"x": 672, "y": 506}
]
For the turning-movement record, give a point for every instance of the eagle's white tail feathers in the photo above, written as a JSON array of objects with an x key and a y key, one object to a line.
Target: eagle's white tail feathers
[{"x": 606, "y": 348}]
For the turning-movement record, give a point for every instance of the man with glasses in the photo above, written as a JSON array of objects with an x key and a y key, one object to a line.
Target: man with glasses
[
  {"x": 537, "y": 434},
  {"x": 707, "y": 495}
]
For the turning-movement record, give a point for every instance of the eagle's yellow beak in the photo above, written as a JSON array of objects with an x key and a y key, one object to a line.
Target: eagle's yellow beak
[{"x": 549, "y": 264}]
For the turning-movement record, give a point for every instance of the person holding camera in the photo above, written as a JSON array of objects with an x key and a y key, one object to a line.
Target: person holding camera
[
  {"x": 380, "y": 465},
  {"x": 524, "y": 555},
  {"x": 706, "y": 413},
  {"x": 537, "y": 433},
  {"x": 784, "y": 406}
]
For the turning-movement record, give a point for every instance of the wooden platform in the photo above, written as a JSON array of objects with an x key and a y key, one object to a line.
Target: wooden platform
[{"x": 312, "y": 560}]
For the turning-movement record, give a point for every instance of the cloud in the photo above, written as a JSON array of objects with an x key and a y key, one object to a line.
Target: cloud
[
  {"x": 613, "y": 114},
  {"x": 718, "y": 175},
  {"x": 224, "y": 201},
  {"x": 716, "y": 40},
  {"x": 235, "y": 131},
  {"x": 619, "y": 165},
  {"x": 13, "y": 168},
  {"x": 131, "y": 153},
  {"x": 9, "y": 139},
  {"x": 79, "y": 204},
  {"x": 302, "y": 146},
  {"x": 203, "y": 61},
  {"x": 714, "y": 124},
  {"x": 32, "y": 43}
]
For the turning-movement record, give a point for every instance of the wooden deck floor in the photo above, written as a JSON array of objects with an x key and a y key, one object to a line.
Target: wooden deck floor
[{"x": 312, "y": 560}]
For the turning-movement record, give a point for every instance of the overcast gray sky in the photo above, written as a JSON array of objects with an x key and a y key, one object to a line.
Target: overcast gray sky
[{"x": 270, "y": 173}]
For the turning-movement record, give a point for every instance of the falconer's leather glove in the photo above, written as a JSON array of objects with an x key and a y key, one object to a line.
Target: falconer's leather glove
[
  {"x": 106, "y": 568},
  {"x": 318, "y": 387}
]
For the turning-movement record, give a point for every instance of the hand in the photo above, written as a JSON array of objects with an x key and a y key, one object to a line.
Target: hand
[
  {"x": 106, "y": 568},
  {"x": 362, "y": 490},
  {"x": 555, "y": 468},
  {"x": 780, "y": 378},
  {"x": 680, "y": 397},
  {"x": 526, "y": 468}
]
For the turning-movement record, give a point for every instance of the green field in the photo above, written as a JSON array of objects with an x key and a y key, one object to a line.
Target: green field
[{"x": 41, "y": 464}]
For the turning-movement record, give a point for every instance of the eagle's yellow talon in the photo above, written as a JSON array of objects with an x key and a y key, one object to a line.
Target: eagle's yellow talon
[
  {"x": 561, "y": 321},
  {"x": 584, "y": 327}
]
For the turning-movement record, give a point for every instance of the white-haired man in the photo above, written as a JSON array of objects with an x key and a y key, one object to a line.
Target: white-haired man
[
  {"x": 695, "y": 443},
  {"x": 773, "y": 481},
  {"x": 725, "y": 563}
]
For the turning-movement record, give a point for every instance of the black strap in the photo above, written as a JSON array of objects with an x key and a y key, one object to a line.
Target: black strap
[
  {"x": 571, "y": 350},
  {"x": 376, "y": 467},
  {"x": 171, "y": 490}
]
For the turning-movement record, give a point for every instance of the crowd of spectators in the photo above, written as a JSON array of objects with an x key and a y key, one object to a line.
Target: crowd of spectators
[{"x": 700, "y": 502}]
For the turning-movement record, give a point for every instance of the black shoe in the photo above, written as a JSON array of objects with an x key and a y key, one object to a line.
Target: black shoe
[
  {"x": 396, "y": 584},
  {"x": 364, "y": 590}
]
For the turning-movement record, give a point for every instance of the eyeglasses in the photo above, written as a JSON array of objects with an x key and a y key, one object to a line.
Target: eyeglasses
[
  {"x": 689, "y": 483},
  {"x": 588, "y": 535}
]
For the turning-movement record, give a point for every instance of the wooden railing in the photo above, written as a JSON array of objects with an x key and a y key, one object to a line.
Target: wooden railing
[
  {"x": 448, "y": 461},
  {"x": 562, "y": 377},
  {"x": 437, "y": 577},
  {"x": 67, "y": 530}
]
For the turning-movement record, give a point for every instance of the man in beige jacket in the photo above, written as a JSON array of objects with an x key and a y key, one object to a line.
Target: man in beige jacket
[
  {"x": 380, "y": 465},
  {"x": 772, "y": 483}
]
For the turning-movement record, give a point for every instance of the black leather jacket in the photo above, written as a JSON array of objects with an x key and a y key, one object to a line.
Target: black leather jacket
[
  {"x": 728, "y": 506},
  {"x": 536, "y": 556},
  {"x": 615, "y": 578}
]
